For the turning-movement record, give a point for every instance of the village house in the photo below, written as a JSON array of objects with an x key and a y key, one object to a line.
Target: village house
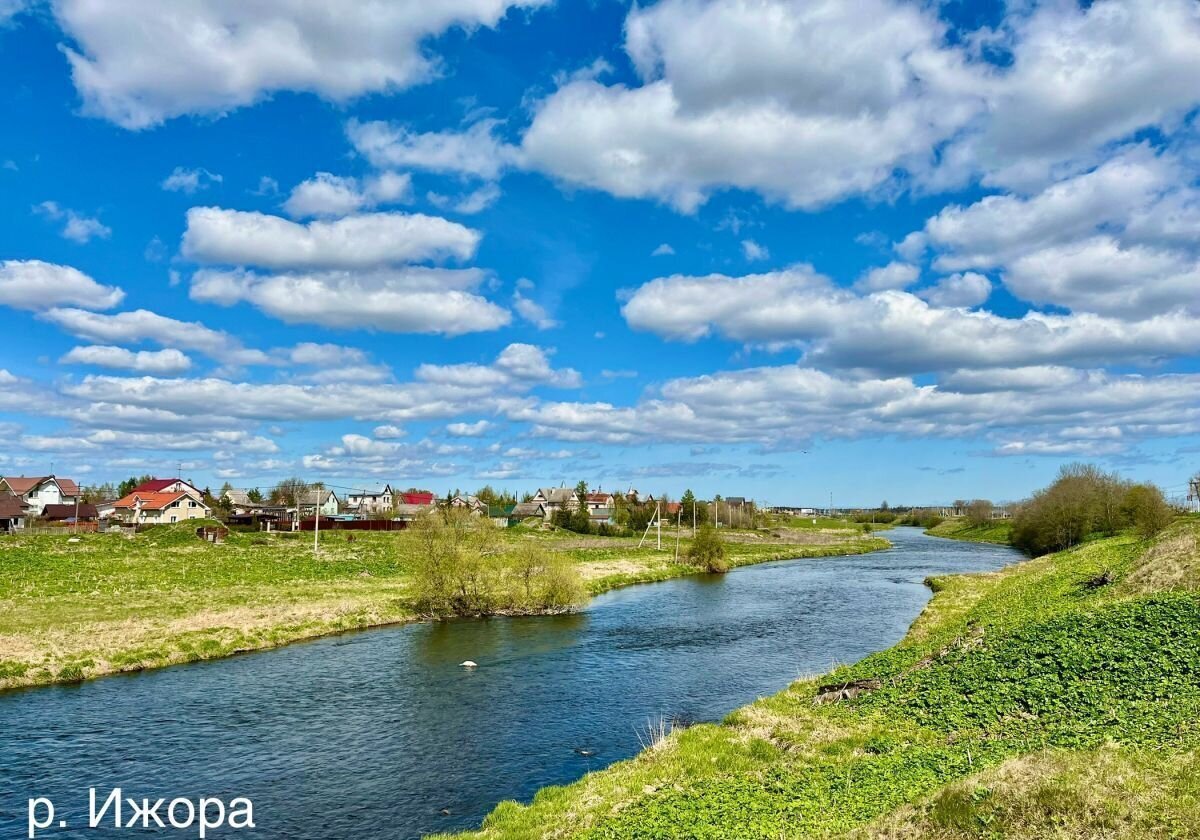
[
  {"x": 528, "y": 510},
  {"x": 600, "y": 501},
  {"x": 239, "y": 500},
  {"x": 83, "y": 512},
  {"x": 12, "y": 514},
  {"x": 554, "y": 498},
  {"x": 471, "y": 503},
  {"x": 367, "y": 504},
  {"x": 35, "y": 493},
  {"x": 168, "y": 485},
  {"x": 330, "y": 505},
  {"x": 160, "y": 507}
]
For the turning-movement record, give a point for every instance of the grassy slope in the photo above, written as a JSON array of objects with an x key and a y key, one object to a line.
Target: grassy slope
[
  {"x": 997, "y": 531},
  {"x": 1001, "y": 671},
  {"x": 112, "y": 603}
]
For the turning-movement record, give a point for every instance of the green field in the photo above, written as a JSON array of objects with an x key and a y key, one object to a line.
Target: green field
[
  {"x": 104, "y": 603},
  {"x": 997, "y": 531},
  {"x": 1059, "y": 698}
]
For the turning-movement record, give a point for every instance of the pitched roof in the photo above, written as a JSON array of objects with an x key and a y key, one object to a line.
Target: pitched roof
[
  {"x": 11, "y": 508},
  {"x": 599, "y": 497},
  {"x": 423, "y": 497},
  {"x": 22, "y": 485},
  {"x": 156, "y": 485},
  {"x": 86, "y": 511},
  {"x": 529, "y": 509},
  {"x": 149, "y": 501},
  {"x": 557, "y": 495}
]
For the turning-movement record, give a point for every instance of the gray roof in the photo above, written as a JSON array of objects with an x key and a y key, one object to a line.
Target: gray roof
[
  {"x": 557, "y": 495},
  {"x": 529, "y": 509}
]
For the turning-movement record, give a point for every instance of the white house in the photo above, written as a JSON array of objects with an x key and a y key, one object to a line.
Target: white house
[
  {"x": 330, "y": 504},
  {"x": 368, "y": 503},
  {"x": 151, "y": 508},
  {"x": 35, "y": 493}
]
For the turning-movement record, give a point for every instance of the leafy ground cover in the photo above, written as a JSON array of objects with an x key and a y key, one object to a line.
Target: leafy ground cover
[
  {"x": 1037, "y": 673},
  {"x": 104, "y": 603},
  {"x": 997, "y": 531}
]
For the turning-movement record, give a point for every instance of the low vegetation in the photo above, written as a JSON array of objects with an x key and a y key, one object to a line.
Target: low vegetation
[
  {"x": 707, "y": 551},
  {"x": 74, "y": 608},
  {"x": 1059, "y": 697},
  {"x": 998, "y": 531}
]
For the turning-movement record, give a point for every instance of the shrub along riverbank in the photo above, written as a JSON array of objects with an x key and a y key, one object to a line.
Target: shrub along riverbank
[
  {"x": 71, "y": 610},
  {"x": 1058, "y": 697}
]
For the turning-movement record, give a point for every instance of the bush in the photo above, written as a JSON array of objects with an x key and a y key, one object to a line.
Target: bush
[
  {"x": 460, "y": 571},
  {"x": 1084, "y": 501},
  {"x": 708, "y": 550},
  {"x": 1146, "y": 509}
]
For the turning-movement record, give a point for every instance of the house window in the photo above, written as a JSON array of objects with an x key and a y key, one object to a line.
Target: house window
[{"x": 174, "y": 517}]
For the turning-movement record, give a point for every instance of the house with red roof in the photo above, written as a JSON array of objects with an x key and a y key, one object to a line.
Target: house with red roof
[
  {"x": 168, "y": 485},
  {"x": 419, "y": 497},
  {"x": 35, "y": 493},
  {"x": 142, "y": 507}
]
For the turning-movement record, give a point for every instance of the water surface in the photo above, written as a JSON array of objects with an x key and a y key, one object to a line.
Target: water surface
[{"x": 373, "y": 734}]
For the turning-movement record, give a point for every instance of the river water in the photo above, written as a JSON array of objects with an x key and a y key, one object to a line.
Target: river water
[{"x": 373, "y": 734}]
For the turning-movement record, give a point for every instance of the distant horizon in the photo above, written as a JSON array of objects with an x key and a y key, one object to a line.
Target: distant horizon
[{"x": 888, "y": 250}]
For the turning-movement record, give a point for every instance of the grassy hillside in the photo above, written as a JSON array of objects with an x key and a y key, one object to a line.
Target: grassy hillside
[
  {"x": 996, "y": 716},
  {"x": 997, "y": 531},
  {"x": 110, "y": 602}
]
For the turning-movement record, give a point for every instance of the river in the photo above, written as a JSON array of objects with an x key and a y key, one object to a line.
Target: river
[{"x": 372, "y": 734}]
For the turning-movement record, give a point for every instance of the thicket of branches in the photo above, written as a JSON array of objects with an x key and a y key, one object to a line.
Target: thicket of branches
[
  {"x": 461, "y": 569},
  {"x": 1082, "y": 501},
  {"x": 708, "y": 550}
]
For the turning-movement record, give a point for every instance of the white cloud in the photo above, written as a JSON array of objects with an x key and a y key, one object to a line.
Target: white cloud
[
  {"x": 1099, "y": 275},
  {"x": 233, "y": 237},
  {"x": 326, "y": 194},
  {"x": 388, "y": 432},
  {"x": 477, "y": 151},
  {"x": 663, "y": 250},
  {"x": 203, "y": 56},
  {"x": 475, "y": 201},
  {"x": 475, "y": 429},
  {"x": 403, "y": 299},
  {"x": 76, "y": 227},
  {"x": 894, "y": 275},
  {"x": 1082, "y": 77},
  {"x": 892, "y": 330},
  {"x": 752, "y": 251},
  {"x": 142, "y": 325},
  {"x": 530, "y": 310},
  {"x": 958, "y": 290},
  {"x": 37, "y": 285},
  {"x": 805, "y": 103},
  {"x": 189, "y": 181},
  {"x": 166, "y": 361}
]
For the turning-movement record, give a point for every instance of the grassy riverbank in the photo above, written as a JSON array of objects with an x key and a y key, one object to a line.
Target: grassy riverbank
[
  {"x": 998, "y": 531},
  {"x": 1059, "y": 697},
  {"x": 108, "y": 602}
]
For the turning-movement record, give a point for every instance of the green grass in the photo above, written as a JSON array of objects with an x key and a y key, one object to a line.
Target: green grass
[
  {"x": 110, "y": 602},
  {"x": 997, "y": 531},
  {"x": 1071, "y": 655}
]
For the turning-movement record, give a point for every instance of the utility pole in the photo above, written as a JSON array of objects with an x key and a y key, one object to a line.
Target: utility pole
[
  {"x": 317, "y": 524},
  {"x": 678, "y": 528},
  {"x": 75, "y": 529},
  {"x": 658, "y": 519}
]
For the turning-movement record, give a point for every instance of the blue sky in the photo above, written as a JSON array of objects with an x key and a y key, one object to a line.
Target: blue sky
[{"x": 780, "y": 249}]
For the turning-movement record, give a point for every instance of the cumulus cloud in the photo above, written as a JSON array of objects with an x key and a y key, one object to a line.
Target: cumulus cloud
[
  {"x": 663, "y": 250},
  {"x": 200, "y": 56},
  {"x": 477, "y": 151},
  {"x": 895, "y": 275},
  {"x": 893, "y": 330},
  {"x": 468, "y": 429},
  {"x": 189, "y": 181},
  {"x": 166, "y": 361},
  {"x": 752, "y": 251},
  {"x": 326, "y": 194},
  {"x": 530, "y": 310},
  {"x": 803, "y": 102},
  {"x": 473, "y": 202},
  {"x": 76, "y": 226},
  {"x": 37, "y": 285},
  {"x": 143, "y": 325},
  {"x": 402, "y": 299},
  {"x": 234, "y": 237},
  {"x": 958, "y": 290}
]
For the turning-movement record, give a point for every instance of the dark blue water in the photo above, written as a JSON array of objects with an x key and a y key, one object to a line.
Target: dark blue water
[{"x": 372, "y": 734}]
